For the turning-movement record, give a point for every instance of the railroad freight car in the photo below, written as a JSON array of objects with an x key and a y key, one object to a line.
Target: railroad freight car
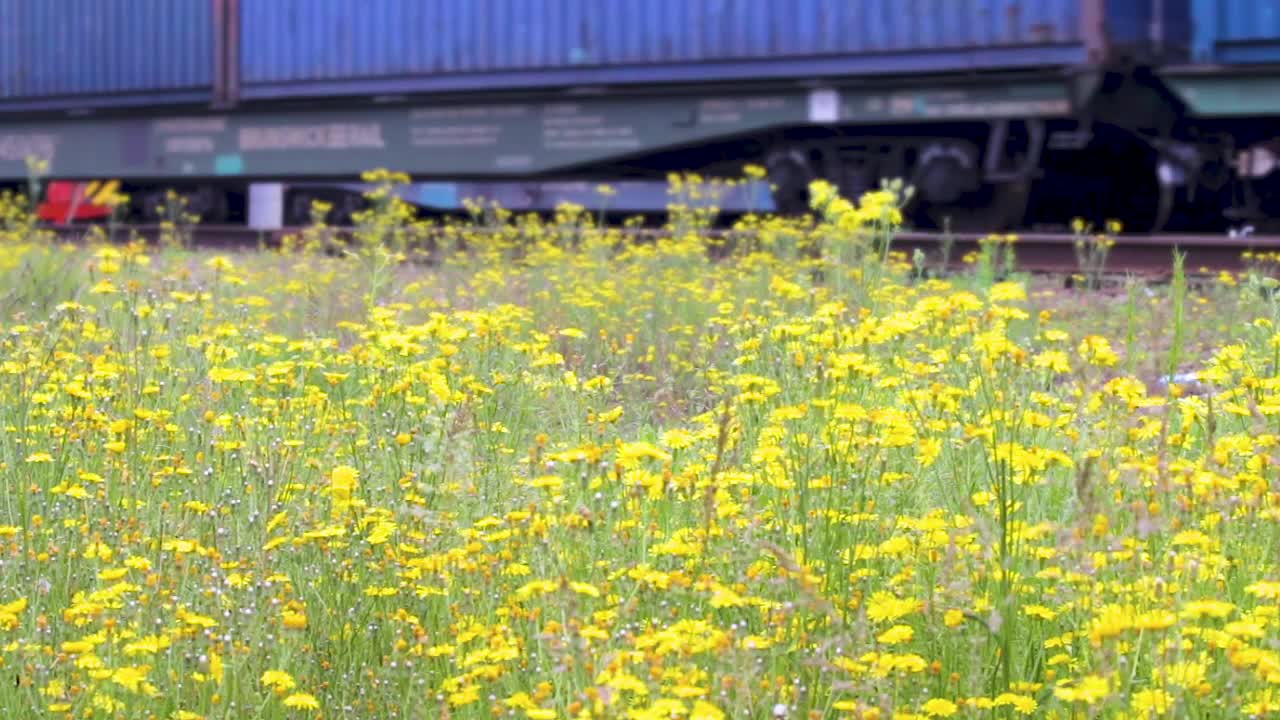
[
  {"x": 988, "y": 107},
  {"x": 1229, "y": 93}
]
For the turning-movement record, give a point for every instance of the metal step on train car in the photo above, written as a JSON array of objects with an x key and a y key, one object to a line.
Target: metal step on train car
[{"x": 1002, "y": 113}]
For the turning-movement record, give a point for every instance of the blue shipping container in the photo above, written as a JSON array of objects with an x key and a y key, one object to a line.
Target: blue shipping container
[
  {"x": 93, "y": 53},
  {"x": 100, "y": 53},
  {"x": 1236, "y": 31},
  {"x": 370, "y": 47}
]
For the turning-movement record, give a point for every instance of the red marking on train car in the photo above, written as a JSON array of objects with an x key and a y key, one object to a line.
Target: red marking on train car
[{"x": 67, "y": 202}]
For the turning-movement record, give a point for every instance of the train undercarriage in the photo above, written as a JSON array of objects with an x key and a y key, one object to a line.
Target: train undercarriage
[
  {"x": 1027, "y": 152},
  {"x": 1045, "y": 176}
]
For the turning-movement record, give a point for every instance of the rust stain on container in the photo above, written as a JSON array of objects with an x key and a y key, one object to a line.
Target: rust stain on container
[
  {"x": 1043, "y": 33},
  {"x": 1013, "y": 20}
]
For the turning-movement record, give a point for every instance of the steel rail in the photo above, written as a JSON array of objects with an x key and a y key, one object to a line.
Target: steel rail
[{"x": 1033, "y": 251}]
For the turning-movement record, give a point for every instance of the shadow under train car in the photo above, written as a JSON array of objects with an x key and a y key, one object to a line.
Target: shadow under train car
[{"x": 274, "y": 205}]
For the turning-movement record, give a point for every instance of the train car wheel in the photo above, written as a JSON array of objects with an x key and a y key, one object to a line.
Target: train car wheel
[
  {"x": 790, "y": 172},
  {"x": 991, "y": 208},
  {"x": 209, "y": 204}
]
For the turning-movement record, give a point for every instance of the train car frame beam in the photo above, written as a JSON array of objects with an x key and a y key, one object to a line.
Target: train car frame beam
[{"x": 516, "y": 138}]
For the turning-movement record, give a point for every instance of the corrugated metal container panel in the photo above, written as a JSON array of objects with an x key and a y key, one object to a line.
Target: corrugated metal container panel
[
  {"x": 79, "y": 53},
  {"x": 1236, "y": 31},
  {"x": 300, "y": 47}
]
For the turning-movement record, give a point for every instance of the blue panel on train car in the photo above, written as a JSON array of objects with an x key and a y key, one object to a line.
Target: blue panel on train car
[
  {"x": 91, "y": 53},
  {"x": 144, "y": 53},
  {"x": 1236, "y": 31},
  {"x": 370, "y": 47}
]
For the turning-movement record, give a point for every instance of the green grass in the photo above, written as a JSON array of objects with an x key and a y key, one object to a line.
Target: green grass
[{"x": 556, "y": 474}]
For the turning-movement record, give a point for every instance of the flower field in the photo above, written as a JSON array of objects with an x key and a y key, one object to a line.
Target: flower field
[{"x": 554, "y": 473}]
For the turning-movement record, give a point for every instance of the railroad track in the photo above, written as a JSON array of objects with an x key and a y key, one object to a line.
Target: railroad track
[{"x": 1055, "y": 253}]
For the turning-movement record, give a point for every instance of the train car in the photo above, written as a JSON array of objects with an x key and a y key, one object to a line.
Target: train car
[
  {"x": 990, "y": 108},
  {"x": 1229, "y": 91}
]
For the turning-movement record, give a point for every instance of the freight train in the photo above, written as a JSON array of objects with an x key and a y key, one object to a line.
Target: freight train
[{"x": 1001, "y": 113}]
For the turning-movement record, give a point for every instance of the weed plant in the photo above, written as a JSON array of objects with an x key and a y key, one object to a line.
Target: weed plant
[{"x": 534, "y": 469}]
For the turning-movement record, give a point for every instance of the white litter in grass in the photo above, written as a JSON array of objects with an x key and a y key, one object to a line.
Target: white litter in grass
[{"x": 1184, "y": 378}]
